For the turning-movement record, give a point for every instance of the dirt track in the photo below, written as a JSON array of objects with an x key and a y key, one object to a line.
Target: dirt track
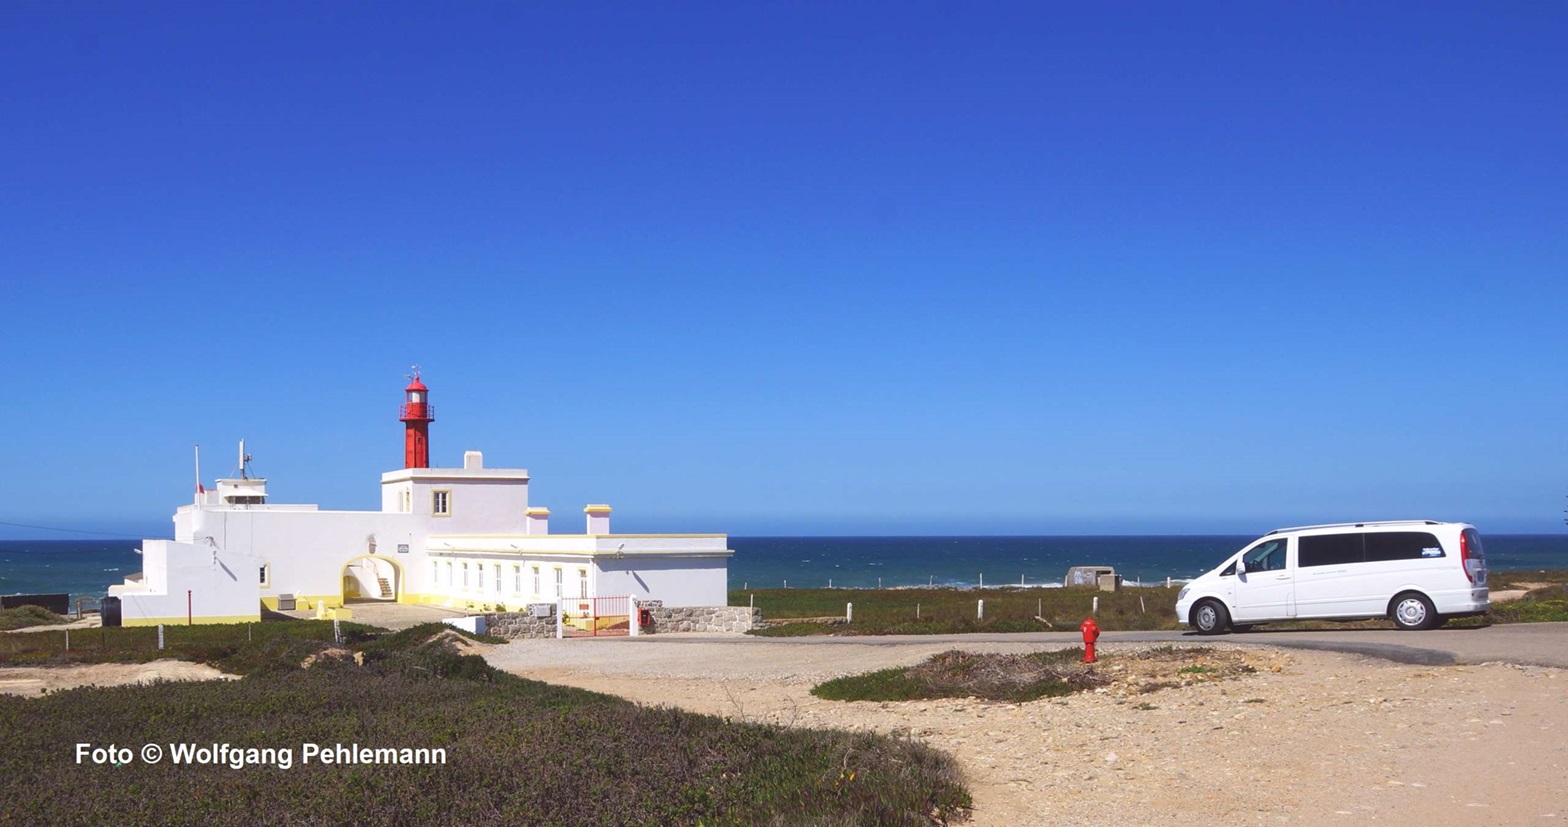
[
  {"x": 33, "y": 680},
  {"x": 1326, "y": 739}
]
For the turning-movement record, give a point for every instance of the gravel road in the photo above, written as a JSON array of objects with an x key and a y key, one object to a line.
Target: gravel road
[{"x": 1312, "y": 737}]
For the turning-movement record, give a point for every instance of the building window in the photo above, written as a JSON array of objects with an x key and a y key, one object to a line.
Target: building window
[
  {"x": 266, "y": 576},
  {"x": 465, "y": 575},
  {"x": 449, "y": 575},
  {"x": 441, "y": 503},
  {"x": 517, "y": 579},
  {"x": 408, "y": 500},
  {"x": 481, "y": 575},
  {"x": 435, "y": 573},
  {"x": 536, "y": 582},
  {"x": 559, "y": 591},
  {"x": 582, "y": 583},
  {"x": 496, "y": 570}
]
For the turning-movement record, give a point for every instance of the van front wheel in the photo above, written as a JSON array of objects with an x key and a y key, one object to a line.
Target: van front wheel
[
  {"x": 1210, "y": 617},
  {"x": 1413, "y": 612}
]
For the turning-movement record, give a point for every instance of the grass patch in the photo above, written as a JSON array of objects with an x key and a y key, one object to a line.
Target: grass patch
[
  {"x": 240, "y": 648},
  {"x": 23, "y": 617},
  {"x": 953, "y": 611},
  {"x": 1020, "y": 678},
  {"x": 955, "y": 674},
  {"x": 518, "y": 751},
  {"x": 1501, "y": 580},
  {"x": 1546, "y": 605}
]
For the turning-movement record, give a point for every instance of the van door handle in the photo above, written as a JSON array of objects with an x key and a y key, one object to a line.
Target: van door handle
[{"x": 1281, "y": 577}]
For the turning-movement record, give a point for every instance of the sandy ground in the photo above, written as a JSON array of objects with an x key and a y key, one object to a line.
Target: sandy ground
[
  {"x": 1310, "y": 738},
  {"x": 32, "y": 680}
]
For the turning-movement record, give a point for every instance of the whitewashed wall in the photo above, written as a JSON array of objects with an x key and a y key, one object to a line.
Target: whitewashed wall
[
  {"x": 223, "y": 585},
  {"x": 678, "y": 581}
]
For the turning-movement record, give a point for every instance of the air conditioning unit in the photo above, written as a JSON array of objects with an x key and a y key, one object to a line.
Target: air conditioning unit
[{"x": 543, "y": 609}]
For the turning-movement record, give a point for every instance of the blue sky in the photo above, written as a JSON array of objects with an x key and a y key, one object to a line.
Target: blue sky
[{"x": 791, "y": 267}]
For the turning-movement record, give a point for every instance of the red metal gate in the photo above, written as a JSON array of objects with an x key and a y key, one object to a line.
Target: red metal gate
[{"x": 596, "y": 617}]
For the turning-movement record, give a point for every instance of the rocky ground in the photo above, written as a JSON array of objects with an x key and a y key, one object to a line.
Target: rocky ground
[{"x": 1303, "y": 738}]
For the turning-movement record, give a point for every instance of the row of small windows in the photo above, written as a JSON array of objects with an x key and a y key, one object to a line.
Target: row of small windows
[
  {"x": 440, "y": 502},
  {"x": 495, "y": 578}
]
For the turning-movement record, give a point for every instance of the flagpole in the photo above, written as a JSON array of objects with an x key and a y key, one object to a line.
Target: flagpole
[{"x": 198, "y": 475}]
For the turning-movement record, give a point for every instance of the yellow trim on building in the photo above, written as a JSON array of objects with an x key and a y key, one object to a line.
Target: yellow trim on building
[{"x": 180, "y": 621}]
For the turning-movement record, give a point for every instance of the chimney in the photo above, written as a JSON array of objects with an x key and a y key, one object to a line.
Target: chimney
[
  {"x": 538, "y": 521},
  {"x": 473, "y": 460},
  {"x": 598, "y": 519}
]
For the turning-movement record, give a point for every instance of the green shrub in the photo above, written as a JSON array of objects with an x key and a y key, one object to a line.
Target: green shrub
[
  {"x": 955, "y": 674},
  {"x": 23, "y": 617}
]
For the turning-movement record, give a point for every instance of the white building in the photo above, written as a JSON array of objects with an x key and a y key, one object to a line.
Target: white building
[{"x": 465, "y": 538}]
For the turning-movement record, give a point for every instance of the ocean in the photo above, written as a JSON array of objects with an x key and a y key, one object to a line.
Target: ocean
[{"x": 86, "y": 568}]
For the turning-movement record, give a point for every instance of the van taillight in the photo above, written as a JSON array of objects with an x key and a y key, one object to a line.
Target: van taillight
[{"x": 1464, "y": 555}]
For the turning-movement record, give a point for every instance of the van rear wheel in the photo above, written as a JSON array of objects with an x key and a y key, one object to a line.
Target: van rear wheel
[
  {"x": 1413, "y": 611},
  {"x": 1210, "y": 617}
]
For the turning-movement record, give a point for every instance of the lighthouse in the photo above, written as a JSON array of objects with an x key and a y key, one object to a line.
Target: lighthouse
[{"x": 417, "y": 414}]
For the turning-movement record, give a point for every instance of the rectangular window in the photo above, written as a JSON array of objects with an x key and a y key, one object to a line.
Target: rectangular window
[
  {"x": 582, "y": 583},
  {"x": 1329, "y": 550},
  {"x": 517, "y": 579},
  {"x": 559, "y": 592},
  {"x": 449, "y": 575},
  {"x": 1402, "y": 545},
  {"x": 435, "y": 573},
  {"x": 496, "y": 570},
  {"x": 465, "y": 575},
  {"x": 266, "y": 576},
  {"x": 537, "y": 592},
  {"x": 441, "y": 503},
  {"x": 481, "y": 574},
  {"x": 408, "y": 500}
]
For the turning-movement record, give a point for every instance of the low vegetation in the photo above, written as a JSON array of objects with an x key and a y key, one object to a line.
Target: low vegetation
[
  {"x": 1029, "y": 677},
  {"x": 955, "y": 674},
  {"x": 1540, "y": 605},
  {"x": 23, "y": 617},
  {"x": 518, "y": 751},
  {"x": 236, "y": 648},
  {"x": 796, "y": 612},
  {"x": 800, "y": 612}
]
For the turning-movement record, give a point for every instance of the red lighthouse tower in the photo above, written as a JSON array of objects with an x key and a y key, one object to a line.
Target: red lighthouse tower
[{"x": 417, "y": 414}]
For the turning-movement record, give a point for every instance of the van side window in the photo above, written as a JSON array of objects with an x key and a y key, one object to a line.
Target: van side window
[
  {"x": 1230, "y": 571},
  {"x": 1402, "y": 545},
  {"x": 1329, "y": 550},
  {"x": 1269, "y": 556}
]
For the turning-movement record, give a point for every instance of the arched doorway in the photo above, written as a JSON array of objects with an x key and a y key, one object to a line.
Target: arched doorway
[{"x": 372, "y": 578}]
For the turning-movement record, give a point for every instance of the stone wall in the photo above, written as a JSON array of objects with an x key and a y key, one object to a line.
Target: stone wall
[
  {"x": 676, "y": 619},
  {"x": 703, "y": 618},
  {"x": 519, "y": 625}
]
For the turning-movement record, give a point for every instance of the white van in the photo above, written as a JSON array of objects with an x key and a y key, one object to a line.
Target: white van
[{"x": 1417, "y": 572}]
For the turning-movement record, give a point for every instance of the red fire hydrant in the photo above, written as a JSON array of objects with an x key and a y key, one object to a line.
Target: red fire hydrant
[{"x": 1091, "y": 633}]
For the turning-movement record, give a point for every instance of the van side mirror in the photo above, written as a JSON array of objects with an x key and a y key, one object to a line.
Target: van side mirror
[{"x": 1241, "y": 566}]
